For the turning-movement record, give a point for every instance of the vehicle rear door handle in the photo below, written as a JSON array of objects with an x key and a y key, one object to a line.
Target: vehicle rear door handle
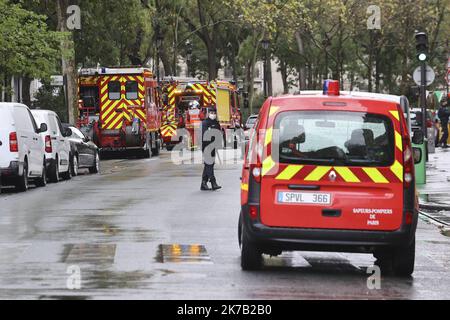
[
  {"x": 331, "y": 213},
  {"x": 303, "y": 187}
]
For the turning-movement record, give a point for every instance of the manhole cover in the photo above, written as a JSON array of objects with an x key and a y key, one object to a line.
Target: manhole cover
[{"x": 179, "y": 253}]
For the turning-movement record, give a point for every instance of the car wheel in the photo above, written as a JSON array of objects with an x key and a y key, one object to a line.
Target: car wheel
[
  {"x": 155, "y": 151},
  {"x": 403, "y": 260},
  {"x": 68, "y": 174},
  {"x": 74, "y": 166},
  {"x": 251, "y": 256},
  {"x": 96, "y": 167},
  {"x": 22, "y": 182},
  {"x": 42, "y": 181},
  {"x": 53, "y": 174}
]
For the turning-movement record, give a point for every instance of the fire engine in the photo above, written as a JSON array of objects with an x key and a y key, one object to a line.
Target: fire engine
[
  {"x": 178, "y": 95},
  {"x": 120, "y": 108}
]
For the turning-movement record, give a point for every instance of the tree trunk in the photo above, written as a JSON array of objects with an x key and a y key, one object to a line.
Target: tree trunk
[
  {"x": 68, "y": 62},
  {"x": 301, "y": 70},
  {"x": 284, "y": 76},
  {"x": 26, "y": 84}
]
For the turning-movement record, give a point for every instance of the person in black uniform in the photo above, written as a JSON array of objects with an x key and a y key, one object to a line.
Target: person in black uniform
[
  {"x": 444, "y": 115},
  {"x": 211, "y": 131}
]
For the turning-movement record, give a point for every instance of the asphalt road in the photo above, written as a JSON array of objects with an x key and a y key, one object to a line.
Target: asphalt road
[{"x": 142, "y": 229}]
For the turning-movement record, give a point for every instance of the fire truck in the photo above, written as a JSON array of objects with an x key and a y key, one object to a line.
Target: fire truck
[
  {"x": 178, "y": 95},
  {"x": 120, "y": 109}
]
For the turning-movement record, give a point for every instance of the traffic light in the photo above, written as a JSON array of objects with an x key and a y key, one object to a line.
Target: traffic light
[{"x": 422, "y": 46}]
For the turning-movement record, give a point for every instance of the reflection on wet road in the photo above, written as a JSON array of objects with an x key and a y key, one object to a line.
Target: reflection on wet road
[{"x": 142, "y": 230}]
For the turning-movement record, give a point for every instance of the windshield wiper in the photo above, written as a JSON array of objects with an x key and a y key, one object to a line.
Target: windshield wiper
[{"x": 309, "y": 160}]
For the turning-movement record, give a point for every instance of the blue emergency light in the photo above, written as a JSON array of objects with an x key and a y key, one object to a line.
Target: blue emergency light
[{"x": 331, "y": 88}]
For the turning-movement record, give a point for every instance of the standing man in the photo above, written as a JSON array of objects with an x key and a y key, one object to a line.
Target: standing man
[
  {"x": 210, "y": 132},
  {"x": 444, "y": 115}
]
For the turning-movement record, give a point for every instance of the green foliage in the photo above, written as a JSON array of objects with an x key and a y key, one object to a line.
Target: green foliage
[{"x": 27, "y": 46}]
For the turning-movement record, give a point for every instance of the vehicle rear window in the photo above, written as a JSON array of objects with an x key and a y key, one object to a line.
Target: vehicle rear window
[
  {"x": 131, "y": 90},
  {"x": 335, "y": 138},
  {"x": 114, "y": 90}
]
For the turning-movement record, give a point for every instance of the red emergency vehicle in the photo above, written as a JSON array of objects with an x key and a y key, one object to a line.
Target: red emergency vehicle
[
  {"x": 179, "y": 95},
  {"x": 330, "y": 171},
  {"x": 121, "y": 108}
]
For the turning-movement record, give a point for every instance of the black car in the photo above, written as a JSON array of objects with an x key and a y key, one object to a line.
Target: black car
[{"x": 84, "y": 153}]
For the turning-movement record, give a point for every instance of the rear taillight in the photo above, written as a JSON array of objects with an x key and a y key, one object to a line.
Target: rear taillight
[
  {"x": 48, "y": 144},
  {"x": 253, "y": 212},
  {"x": 13, "y": 143},
  {"x": 409, "y": 218},
  {"x": 408, "y": 163}
]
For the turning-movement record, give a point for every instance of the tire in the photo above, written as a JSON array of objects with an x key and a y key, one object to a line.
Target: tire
[
  {"x": 42, "y": 181},
  {"x": 251, "y": 256},
  {"x": 96, "y": 167},
  {"x": 53, "y": 173},
  {"x": 155, "y": 151},
  {"x": 22, "y": 182},
  {"x": 145, "y": 153},
  {"x": 403, "y": 260},
  {"x": 74, "y": 166},
  {"x": 68, "y": 174}
]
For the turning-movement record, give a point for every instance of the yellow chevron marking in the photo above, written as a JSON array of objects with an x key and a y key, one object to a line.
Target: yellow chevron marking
[
  {"x": 267, "y": 165},
  {"x": 114, "y": 123},
  {"x": 269, "y": 133},
  {"x": 347, "y": 174},
  {"x": 126, "y": 115},
  {"x": 395, "y": 114},
  {"x": 244, "y": 187},
  {"x": 317, "y": 173},
  {"x": 105, "y": 87},
  {"x": 375, "y": 175},
  {"x": 111, "y": 115},
  {"x": 289, "y": 172},
  {"x": 273, "y": 110},
  {"x": 398, "y": 141},
  {"x": 397, "y": 169}
]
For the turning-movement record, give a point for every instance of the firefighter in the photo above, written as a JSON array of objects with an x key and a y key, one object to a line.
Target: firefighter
[{"x": 211, "y": 133}]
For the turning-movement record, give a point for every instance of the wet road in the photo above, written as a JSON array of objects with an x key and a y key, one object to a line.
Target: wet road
[{"x": 142, "y": 230}]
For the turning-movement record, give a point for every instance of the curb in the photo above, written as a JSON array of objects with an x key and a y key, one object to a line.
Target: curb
[{"x": 434, "y": 207}]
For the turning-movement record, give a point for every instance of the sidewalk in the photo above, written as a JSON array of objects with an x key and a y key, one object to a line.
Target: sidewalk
[{"x": 435, "y": 195}]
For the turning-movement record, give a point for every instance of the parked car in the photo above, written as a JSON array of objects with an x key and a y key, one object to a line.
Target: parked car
[
  {"x": 22, "y": 155},
  {"x": 249, "y": 125},
  {"x": 84, "y": 153},
  {"x": 57, "y": 145}
]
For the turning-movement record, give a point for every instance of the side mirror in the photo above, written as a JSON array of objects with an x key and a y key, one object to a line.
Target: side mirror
[
  {"x": 86, "y": 139},
  {"x": 42, "y": 128},
  {"x": 418, "y": 137},
  {"x": 417, "y": 154},
  {"x": 68, "y": 132}
]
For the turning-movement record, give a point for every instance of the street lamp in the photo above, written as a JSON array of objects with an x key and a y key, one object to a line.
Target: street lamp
[
  {"x": 189, "y": 55},
  {"x": 265, "y": 45},
  {"x": 422, "y": 56},
  {"x": 159, "y": 42}
]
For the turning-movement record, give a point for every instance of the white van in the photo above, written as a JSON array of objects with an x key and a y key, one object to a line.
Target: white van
[
  {"x": 57, "y": 145},
  {"x": 21, "y": 149}
]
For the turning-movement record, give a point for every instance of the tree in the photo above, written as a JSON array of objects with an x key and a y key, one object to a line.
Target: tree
[{"x": 27, "y": 46}]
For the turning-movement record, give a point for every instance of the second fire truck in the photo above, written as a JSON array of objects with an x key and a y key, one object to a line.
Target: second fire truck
[
  {"x": 179, "y": 95},
  {"x": 120, "y": 109}
]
